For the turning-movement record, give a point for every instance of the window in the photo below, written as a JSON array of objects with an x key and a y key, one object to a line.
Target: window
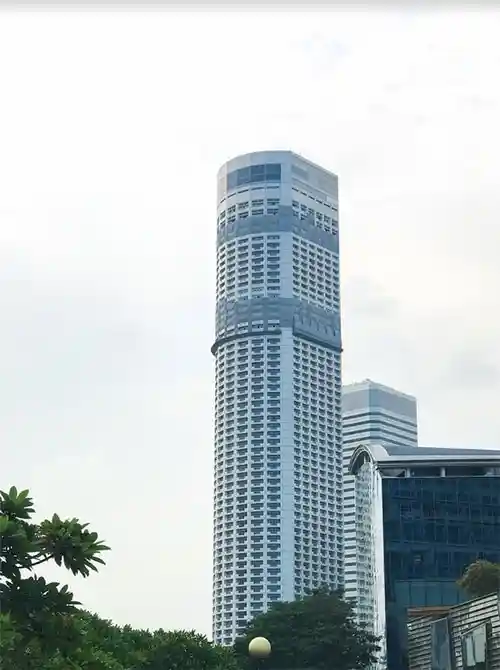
[
  {"x": 254, "y": 174},
  {"x": 474, "y": 649},
  {"x": 440, "y": 645}
]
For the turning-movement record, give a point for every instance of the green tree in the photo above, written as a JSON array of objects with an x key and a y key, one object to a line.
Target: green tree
[
  {"x": 9, "y": 637},
  {"x": 38, "y": 617},
  {"x": 110, "y": 647},
  {"x": 317, "y": 631},
  {"x": 41, "y": 625},
  {"x": 480, "y": 579},
  {"x": 106, "y": 646},
  {"x": 186, "y": 650}
]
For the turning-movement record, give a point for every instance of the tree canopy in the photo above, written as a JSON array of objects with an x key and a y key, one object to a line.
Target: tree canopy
[
  {"x": 41, "y": 625},
  {"x": 317, "y": 631},
  {"x": 35, "y": 614},
  {"x": 106, "y": 646},
  {"x": 480, "y": 579}
]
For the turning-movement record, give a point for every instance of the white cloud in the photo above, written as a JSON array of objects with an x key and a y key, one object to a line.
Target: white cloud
[{"x": 113, "y": 126}]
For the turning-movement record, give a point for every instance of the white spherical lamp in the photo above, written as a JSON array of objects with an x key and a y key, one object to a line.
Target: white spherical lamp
[{"x": 259, "y": 647}]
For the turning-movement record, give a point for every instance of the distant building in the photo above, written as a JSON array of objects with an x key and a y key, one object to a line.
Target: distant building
[
  {"x": 422, "y": 516},
  {"x": 371, "y": 414},
  {"x": 465, "y": 637}
]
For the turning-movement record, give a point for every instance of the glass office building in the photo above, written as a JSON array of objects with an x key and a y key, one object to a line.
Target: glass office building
[
  {"x": 423, "y": 516},
  {"x": 371, "y": 414},
  {"x": 278, "y": 430}
]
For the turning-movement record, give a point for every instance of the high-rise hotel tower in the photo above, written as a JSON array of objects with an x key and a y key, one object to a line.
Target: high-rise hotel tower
[{"x": 278, "y": 403}]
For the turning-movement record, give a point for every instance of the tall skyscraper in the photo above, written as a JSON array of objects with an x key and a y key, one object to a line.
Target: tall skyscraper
[
  {"x": 372, "y": 414},
  {"x": 278, "y": 428}
]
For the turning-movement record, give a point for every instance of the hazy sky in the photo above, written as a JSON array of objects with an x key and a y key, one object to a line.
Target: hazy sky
[{"x": 112, "y": 128}]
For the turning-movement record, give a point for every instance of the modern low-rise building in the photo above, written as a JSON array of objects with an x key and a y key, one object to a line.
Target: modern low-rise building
[{"x": 422, "y": 516}]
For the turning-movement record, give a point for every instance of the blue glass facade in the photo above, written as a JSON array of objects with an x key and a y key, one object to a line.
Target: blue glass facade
[{"x": 434, "y": 527}]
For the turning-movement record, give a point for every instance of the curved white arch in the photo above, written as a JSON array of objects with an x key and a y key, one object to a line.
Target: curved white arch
[{"x": 366, "y": 452}]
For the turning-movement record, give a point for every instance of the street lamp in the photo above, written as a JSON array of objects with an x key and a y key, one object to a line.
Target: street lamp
[{"x": 259, "y": 647}]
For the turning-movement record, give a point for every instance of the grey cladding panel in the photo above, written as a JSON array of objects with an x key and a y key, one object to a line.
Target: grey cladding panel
[
  {"x": 355, "y": 401},
  {"x": 393, "y": 403},
  {"x": 308, "y": 321},
  {"x": 311, "y": 175},
  {"x": 283, "y": 222},
  {"x": 373, "y": 398}
]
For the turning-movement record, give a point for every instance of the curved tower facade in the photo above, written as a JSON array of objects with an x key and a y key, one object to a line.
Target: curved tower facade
[{"x": 278, "y": 428}]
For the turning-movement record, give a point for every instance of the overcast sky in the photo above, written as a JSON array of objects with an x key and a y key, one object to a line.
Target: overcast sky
[{"x": 112, "y": 128}]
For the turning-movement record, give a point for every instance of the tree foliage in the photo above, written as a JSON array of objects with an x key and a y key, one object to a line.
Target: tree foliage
[
  {"x": 37, "y": 615},
  {"x": 480, "y": 579},
  {"x": 317, "y": 631},
  {"x": 179, "y": 650},
  {"x": 105, "y": 646},
  {"x": 41, "y": 625}
]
